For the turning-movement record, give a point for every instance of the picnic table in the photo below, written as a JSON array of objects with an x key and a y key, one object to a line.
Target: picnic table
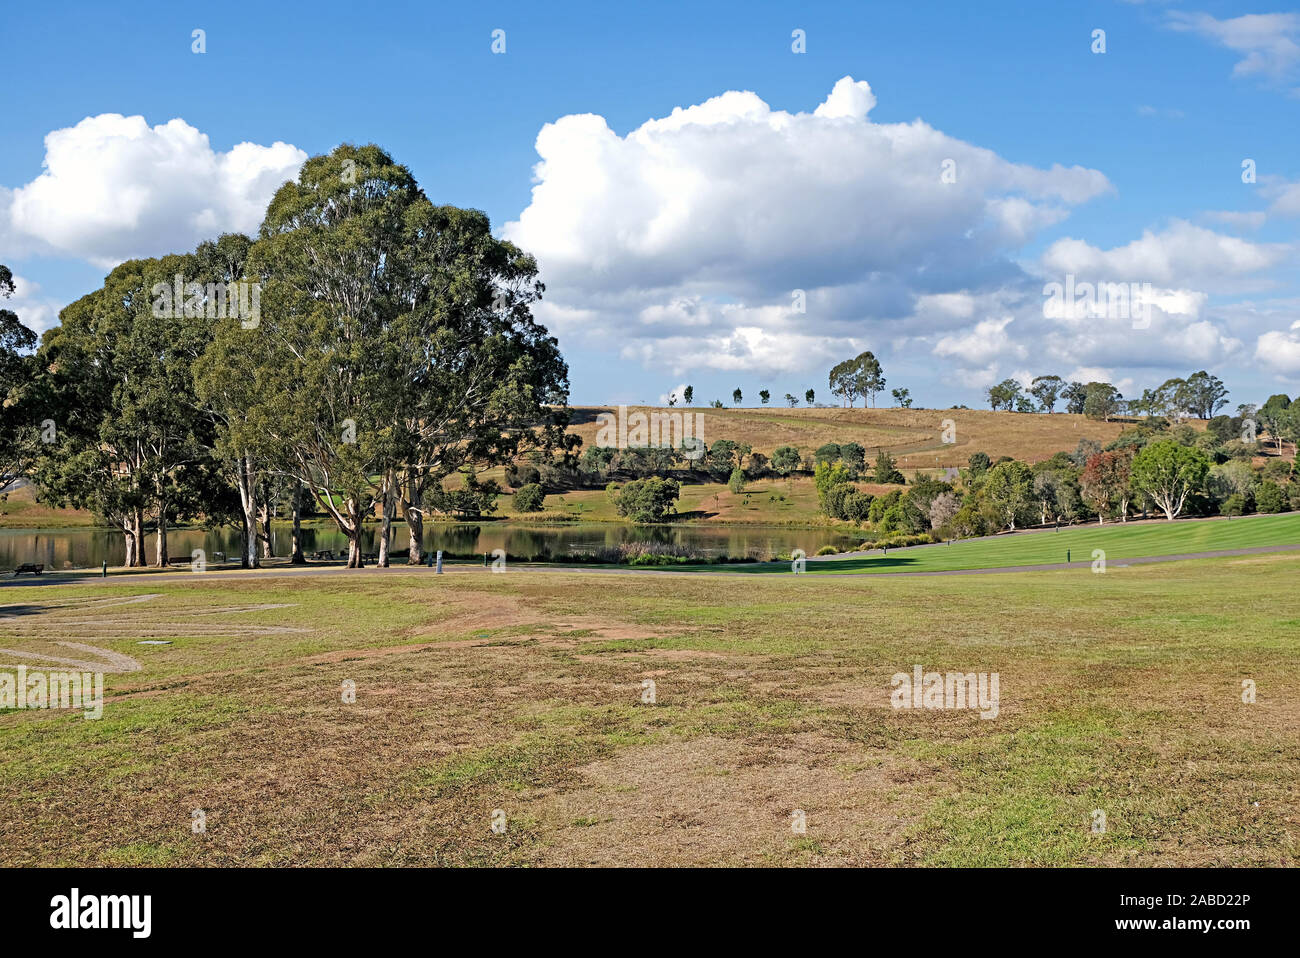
[
  {"x": 323, "y": 554},
  {"x": 32, "y": 567}
]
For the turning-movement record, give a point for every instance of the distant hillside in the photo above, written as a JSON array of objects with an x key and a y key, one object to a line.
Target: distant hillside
[{"x": 913, "y": 436}]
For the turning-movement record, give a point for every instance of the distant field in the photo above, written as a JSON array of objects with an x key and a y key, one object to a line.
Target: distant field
[
  {"x": 20, "y": 510},
  {"x": 523, "y": 693},
  {"x": 913, "y": 436},
  {"x": 1119, "y": 541}
]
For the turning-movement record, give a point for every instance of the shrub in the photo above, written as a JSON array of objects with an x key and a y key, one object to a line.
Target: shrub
[
  {"x": 785, "y": 460},
  {"x": 833, "y": 502},
  {"x": 1234, "y": 505},
  {"x": 857, "y": 506},
  {"x": 1269, "y": 498},
  {"x": 828, "y": 551},
  {"x": 736, "y": 482},
  {"x": 886, "y": 470},
  {"x": 529, "y": 498},
  {"x": 646, "y": 500},
  {"x": 522, "y": 474}
]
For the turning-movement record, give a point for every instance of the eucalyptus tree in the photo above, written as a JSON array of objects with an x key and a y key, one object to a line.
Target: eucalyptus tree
[
  {"x": 129, "y": 445},
  {"x": 859, "y": 376},
  {"x": 399, "y": 339},
  {"x": 18, "y": 428}
]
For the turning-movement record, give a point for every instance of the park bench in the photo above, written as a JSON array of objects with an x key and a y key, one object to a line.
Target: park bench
[
  {"x": 32, "y": 567},
  {"x": 179, "y": 560}
]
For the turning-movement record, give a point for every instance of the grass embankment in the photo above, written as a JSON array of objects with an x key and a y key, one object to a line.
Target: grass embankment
[
  {"x": 1118, "y": 540},
  {"x": 20, "y": 510},
  {"x": 913, "y": 436},
  {"x": 523, "y": 692}
]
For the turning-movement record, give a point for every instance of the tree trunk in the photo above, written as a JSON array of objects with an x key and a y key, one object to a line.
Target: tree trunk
[
  {"x": 353, "y": 532},
  {"x": 248, "y": 505},
  {"x": 161, "y": 546},
  {"x": 264, "y": 509},
  {"x": 412, "y": 506},
  {"x": 388, "y": 499},
  {"x": 128, "y": 539},
  {"x": 296, "y": 557},
  {"x": 137, "y": 524}
]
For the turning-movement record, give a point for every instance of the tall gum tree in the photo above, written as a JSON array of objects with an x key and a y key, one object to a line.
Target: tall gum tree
[
  {"x": 401, "y": 339},
  {"x": 118, "y": 371}
]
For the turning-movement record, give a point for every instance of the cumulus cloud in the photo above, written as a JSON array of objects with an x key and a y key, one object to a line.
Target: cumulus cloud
[
  {"x": 114, "y": 188},
  {"x": 706, "y": 225},
  {"x": 1279, "y": 350}
]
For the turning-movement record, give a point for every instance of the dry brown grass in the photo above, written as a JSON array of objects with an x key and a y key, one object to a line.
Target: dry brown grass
[
  {"x": 522, "y": 692},
  {"x": 911, "y": 435}
]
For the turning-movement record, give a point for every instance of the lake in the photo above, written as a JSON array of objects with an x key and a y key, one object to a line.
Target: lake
[{"x": 88, "y": 548}]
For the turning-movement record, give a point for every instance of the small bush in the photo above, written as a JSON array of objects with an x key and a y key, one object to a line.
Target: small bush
[
  {"x": 529, "y": 498},
  {"x": 828, "y": 551}
]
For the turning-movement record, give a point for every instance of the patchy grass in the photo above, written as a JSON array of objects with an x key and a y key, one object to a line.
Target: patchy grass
[{"x": 524, "y": 693}]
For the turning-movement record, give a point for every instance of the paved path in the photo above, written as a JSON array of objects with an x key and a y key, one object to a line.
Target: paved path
[{"x": 155, "y": 577}]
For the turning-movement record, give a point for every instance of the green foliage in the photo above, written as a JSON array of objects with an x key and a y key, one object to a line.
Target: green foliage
[
  {"x": 830, "y": 452},
  {"x": 736, "y": 481},
  {"x": 1004, "y": 395},
  {"x": 530, "y": 498},
  {"x": 786, "y": 459},
  {"x": 1168, "y": 472},
  {"x": 519, "y": 474},
  {"x": 1009, "y": 492},
  {"x": 886, "y": 471},
  {"x": 1269, "y": 497},
  {"x": 1102, "y": 401},
  {"x": 859, "y": 376},
  {"x": 646, "y": 500}
]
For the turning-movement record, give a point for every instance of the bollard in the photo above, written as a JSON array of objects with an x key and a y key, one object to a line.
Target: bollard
[
  {"x": 439, "y": 562},
  {"x": 485, "y": 558},
  {"x": 103, "y": 572},
  {"x": 1067, "y": 556}
]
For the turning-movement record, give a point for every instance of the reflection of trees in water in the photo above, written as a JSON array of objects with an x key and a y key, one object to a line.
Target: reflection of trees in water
[{"x": 87, "y": 548}]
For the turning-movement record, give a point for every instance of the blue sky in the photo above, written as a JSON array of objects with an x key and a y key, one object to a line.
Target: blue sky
[{"x": 1182, "y": 94}]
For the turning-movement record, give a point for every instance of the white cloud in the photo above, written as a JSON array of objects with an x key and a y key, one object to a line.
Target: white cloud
[
  {"x": 988, "y": 340},
  {"x": 114, "y": 188},
  {"x": 1183, "y": 255},
  {"x": 34, "y": 310},
  {"x": 682, "y": 243},
  {"x": 1267, "y": 41},
  {"x": 1279, "y": 350}
]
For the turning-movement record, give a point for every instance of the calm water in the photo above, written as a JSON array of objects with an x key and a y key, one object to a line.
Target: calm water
[{"x": 87, "y": 548}]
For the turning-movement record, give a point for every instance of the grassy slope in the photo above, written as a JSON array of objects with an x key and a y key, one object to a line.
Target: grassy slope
[
  {"x": 1122, "y": 541},
  {"x": 913, "y": 436},
  {"x": 20, "y": 510},
  {"x": 522, "y": 692}
]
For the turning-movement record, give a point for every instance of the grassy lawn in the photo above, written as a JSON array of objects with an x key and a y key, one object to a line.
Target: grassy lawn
[
  {"x": 1119, "y": 541},
  {"x": 523, "y": 692}
]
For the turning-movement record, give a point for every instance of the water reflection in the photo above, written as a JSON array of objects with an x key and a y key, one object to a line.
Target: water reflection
[{"x": 87, "y": 548}]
